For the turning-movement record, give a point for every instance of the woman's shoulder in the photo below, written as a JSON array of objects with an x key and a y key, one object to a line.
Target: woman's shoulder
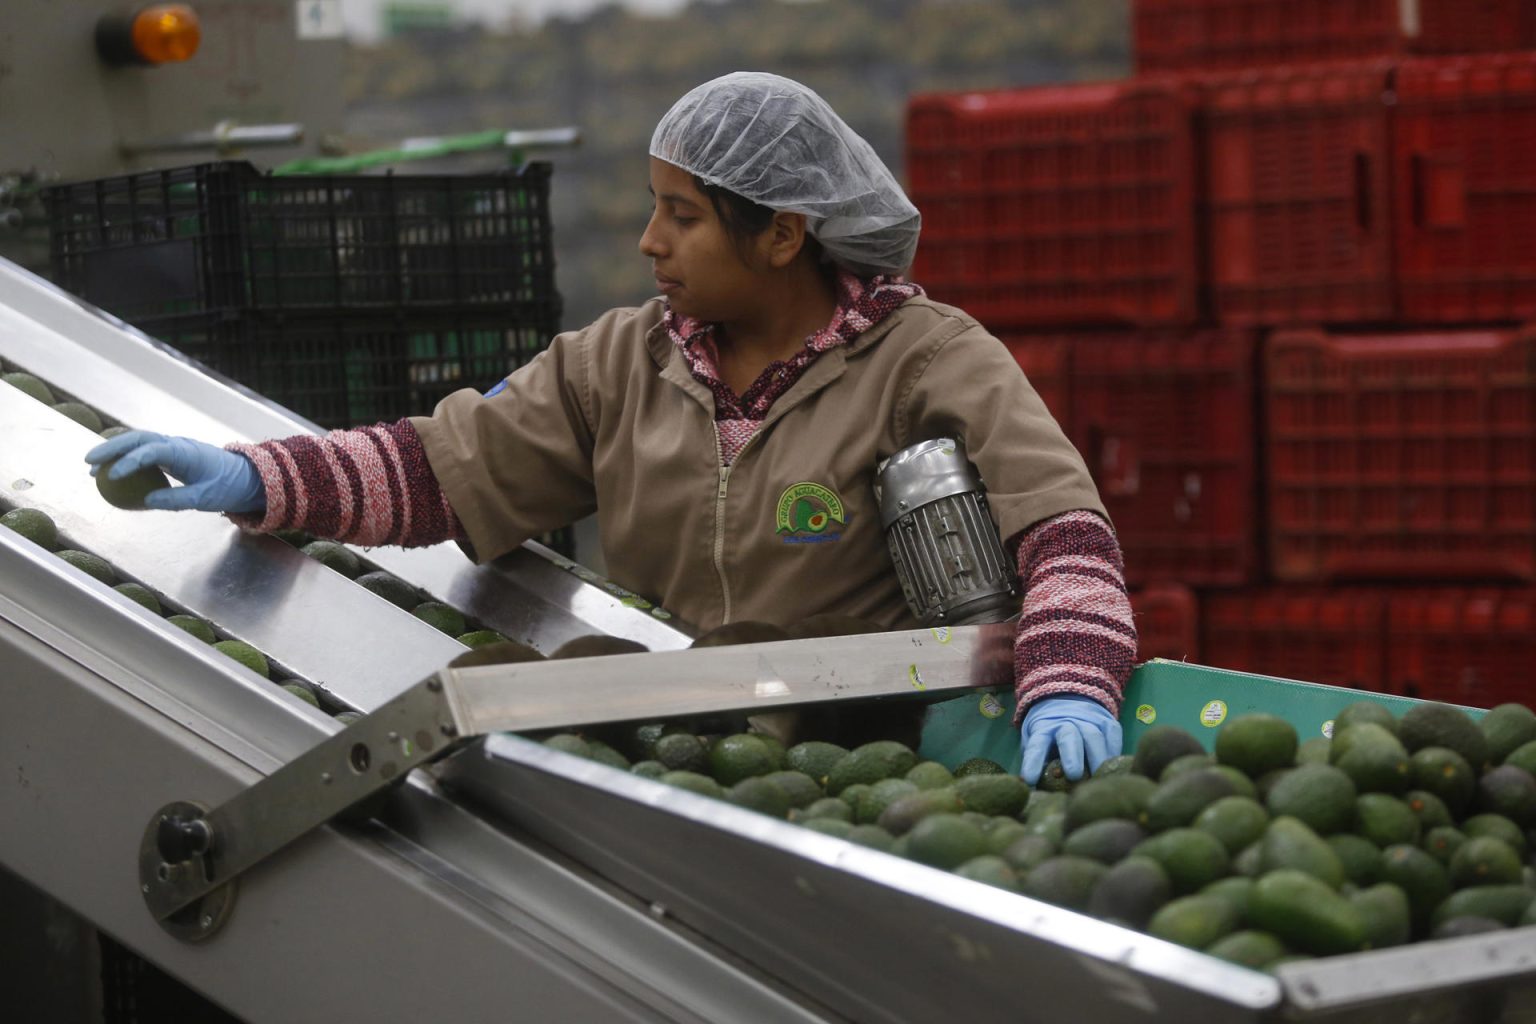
[
  {"x": 921, "y": 321},
  {"x": 624, "y": 322}
]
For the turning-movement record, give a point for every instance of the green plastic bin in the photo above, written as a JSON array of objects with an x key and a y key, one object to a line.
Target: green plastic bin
[{"x": 1194, "y": 697}]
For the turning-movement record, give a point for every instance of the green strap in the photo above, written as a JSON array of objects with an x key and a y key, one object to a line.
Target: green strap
[{"x": 473, "y": 142}]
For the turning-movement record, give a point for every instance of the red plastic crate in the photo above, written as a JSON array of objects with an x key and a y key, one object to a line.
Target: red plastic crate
[
  {"x": 1475, "y": 647},
  {"x": 1297, "y": 202},
  {"x": 1465, "y": 141},
  {"x": 1195, "y": 35},
  {"x": 1167, "y": 619},
  {"x": 1401, "y": 456},
  {"x": 1066, "y": 205},
  {"x": 1166, "y": 422},
  {"x": 1046, "y": 361},
  {"x": 1318, "y": 636}
]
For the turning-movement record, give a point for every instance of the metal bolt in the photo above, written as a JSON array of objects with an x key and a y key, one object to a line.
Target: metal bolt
[
  {"x": 449, "y": 729},
  {"x": 392, "y": 736},
  {"x": 144, "y": 888},
  {"x": 325, "y": 777},
  {"x": 207, "y": 921},
  {"x": 434, "y": 685}
]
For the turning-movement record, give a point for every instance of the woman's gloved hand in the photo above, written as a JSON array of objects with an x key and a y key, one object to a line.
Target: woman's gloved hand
[
  {"x": 215, "y": 480},
  {"x": 1074, "y": 726}
]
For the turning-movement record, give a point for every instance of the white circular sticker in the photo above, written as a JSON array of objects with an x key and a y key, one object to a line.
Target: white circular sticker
[
  {"x": 1328, "y": 728},
  {"x": 943, "y": 634},
  {"x": 1213, "y": 714},
  {"x": 1146, "y": 714},
  {"x": 990, "y": 706}
]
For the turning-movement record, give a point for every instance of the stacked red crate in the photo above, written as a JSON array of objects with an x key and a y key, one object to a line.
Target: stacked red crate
[
  {"x": 1066, "y": 205},
  {"x": 1316, "y": 635},
  {"x": 1167, "y": 617},
  {"x": 1465, "y": 646},
  {"x": 1205, "y": 35}
]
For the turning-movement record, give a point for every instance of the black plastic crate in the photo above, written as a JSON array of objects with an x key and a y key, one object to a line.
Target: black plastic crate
[
  {"x": 358, "y": 369},
  {"x": 224, "y": 236}
]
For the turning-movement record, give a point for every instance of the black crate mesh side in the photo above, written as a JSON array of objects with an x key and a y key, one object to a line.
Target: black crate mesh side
[{"x": 135, "y": 991}]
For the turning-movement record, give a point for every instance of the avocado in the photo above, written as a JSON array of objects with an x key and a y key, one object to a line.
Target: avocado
[
  {"x": 81, "y": 414},
  {"x": 1360, "y": 858},
  {"x": 979, "y": 766},
  {"x": 932, "y": 775},
  {"x": 1498, "y": 827},
  {"x": 1443, "y": 842},
  {"x": 1236, "y": 890},
  {"x": 694, "y": 782},
  {"x": 1506, "y": 904},
  {"x": 1429, "y": 809},
  {"x": 756, "y": 793},
  {"x": 829, "y": 827},
  {"x": 1523, "y": 756},
  {"x": 29, "y": 385},
  {"x": 34, "y": 524},
  {"x": 1509, "y": 791},
  {"x": 245, "y": 654},
  {"x": 990, "y": 869},
  {"x": 440, "y": 617},
  {"x": 681, "y": 752},
  {"x": 1446, "y": 774},
  {"x": 901, "y": 814},
  {"x": 569, "y": 743},
  {"x": 1314, "y": 750},
  {"x": 302, "y": 692},
  {"x": 128, "y": 492},
  {"x": 1117, "y": 765},
  {"x": 1185, "y": 764},
  {"x": 1131, "y": 892},
  {"x": 1119, "y": 796},
  {"x": 1364, "y": 711},
  {"x": 1305, "y": 913},
  {"x": 1249, "y": 862},
  {"x": 815, "y": 758},
  {"x": 1507, "y": 728},
  {"x": 1288, "y": 843},
  {"x": 1160, "y": 745},
  {"x": 1235, "y": 820},
  {"x": 596, "y": 645},
  {"x": 1320, "y": 795},
  {"x": 1252, "y": 949},
  {"x": 1028, "y": 852},
  {"x": 1460, "y": 927},
  {"x": 651, "y": 770},
  {"x": 1065, "y": 881},
  {"x": 480, "y": 638},
  {"x": 801, "y": 789},
  {"x": 1004, "y": 834},
  {"x": 1483, "y": 860},
  {"x": 1257, "y": 743},
  {"x": 94, "y": 567},
  {"x": 392, "y": 589},
  {"x": 945, "y": 841},
  {"x": 745, "y": 631},
  {"x": 1194, "y": 921},
  {"x": 1108, "y": 841},
  {"x": 1042, "y": 804},
  {"x": 1053, "y": 778},
  {"x": 1372, "y": 757},
  {"x": 1385, "y": 820},
  {"x": 869, "y": 805},
  {"x": 1178, "y": 801},
  {"x": 1384, "y": 911},
  {"x": 743, "y": 756},
  {"x": 1242, "y": 785},
  {"x": 334, "y": 556},
  {"x": 1193, "y": 859},
  {"x": 1441, "y": 725},
  {"x": 871, "y": 762},
  {"x": 826, "y": 807},
  {"x": 139, "y": 595},
  {"x": 194, "y": 625},
  {"x": 1423, "y": 878},
  {"x": 993, "y": 794}
]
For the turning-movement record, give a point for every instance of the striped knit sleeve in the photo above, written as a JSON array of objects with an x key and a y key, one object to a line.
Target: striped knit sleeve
[
  {"x": 1075, "y": 634},
  {"x": 368, "y": 486}
]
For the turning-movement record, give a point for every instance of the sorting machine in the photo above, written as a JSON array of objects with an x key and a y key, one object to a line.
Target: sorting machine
[{"x": 198, "y": 813}]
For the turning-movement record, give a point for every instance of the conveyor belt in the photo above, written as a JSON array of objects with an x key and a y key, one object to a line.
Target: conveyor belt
[{"x": 513, "y": 881}]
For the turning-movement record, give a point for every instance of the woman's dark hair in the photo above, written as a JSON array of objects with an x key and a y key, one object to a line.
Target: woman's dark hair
[{"x": 743, "y": 219}]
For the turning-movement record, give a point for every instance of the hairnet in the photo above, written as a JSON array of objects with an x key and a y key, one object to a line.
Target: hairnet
[{"x": 777, "y": 143}]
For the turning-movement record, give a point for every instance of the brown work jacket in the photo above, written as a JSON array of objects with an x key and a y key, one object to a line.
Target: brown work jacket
[{"x": 609, "y": 419}]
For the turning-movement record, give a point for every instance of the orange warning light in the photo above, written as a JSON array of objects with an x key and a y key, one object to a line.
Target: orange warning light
[{"x": 158, "y": 34}]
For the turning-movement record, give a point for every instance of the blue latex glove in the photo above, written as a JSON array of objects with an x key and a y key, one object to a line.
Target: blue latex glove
[
  {"x": 215, "y": 480},
  {"x": 1074, "y": 726}
]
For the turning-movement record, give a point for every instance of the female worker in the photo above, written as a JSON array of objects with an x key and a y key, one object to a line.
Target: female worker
[{"x": 784, "y": 350}]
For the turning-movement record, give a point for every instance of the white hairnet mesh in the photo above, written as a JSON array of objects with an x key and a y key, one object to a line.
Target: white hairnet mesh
[{"x": 777, "y": 143}]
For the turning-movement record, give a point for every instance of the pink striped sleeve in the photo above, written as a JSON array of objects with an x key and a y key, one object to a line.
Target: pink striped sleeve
[
  {"x": 1075, "y": 634},
  {"x": 368, "y": 486}
]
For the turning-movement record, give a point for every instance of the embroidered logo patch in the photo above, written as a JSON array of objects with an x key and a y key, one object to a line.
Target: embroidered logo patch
[{"x": 809, "y": 513}]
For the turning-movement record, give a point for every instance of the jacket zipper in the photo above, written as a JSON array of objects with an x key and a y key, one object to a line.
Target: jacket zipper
[{"x": 720, "y": 492}]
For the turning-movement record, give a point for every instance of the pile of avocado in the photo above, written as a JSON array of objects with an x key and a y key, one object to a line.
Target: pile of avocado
[{"x": 1266, "y": 852}]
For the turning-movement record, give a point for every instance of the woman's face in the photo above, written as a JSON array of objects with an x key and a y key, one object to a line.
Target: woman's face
[{"x": 697, "y": 265}]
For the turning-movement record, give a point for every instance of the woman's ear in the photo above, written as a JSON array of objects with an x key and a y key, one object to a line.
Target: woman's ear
[{"x": 786, "y": 237}]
